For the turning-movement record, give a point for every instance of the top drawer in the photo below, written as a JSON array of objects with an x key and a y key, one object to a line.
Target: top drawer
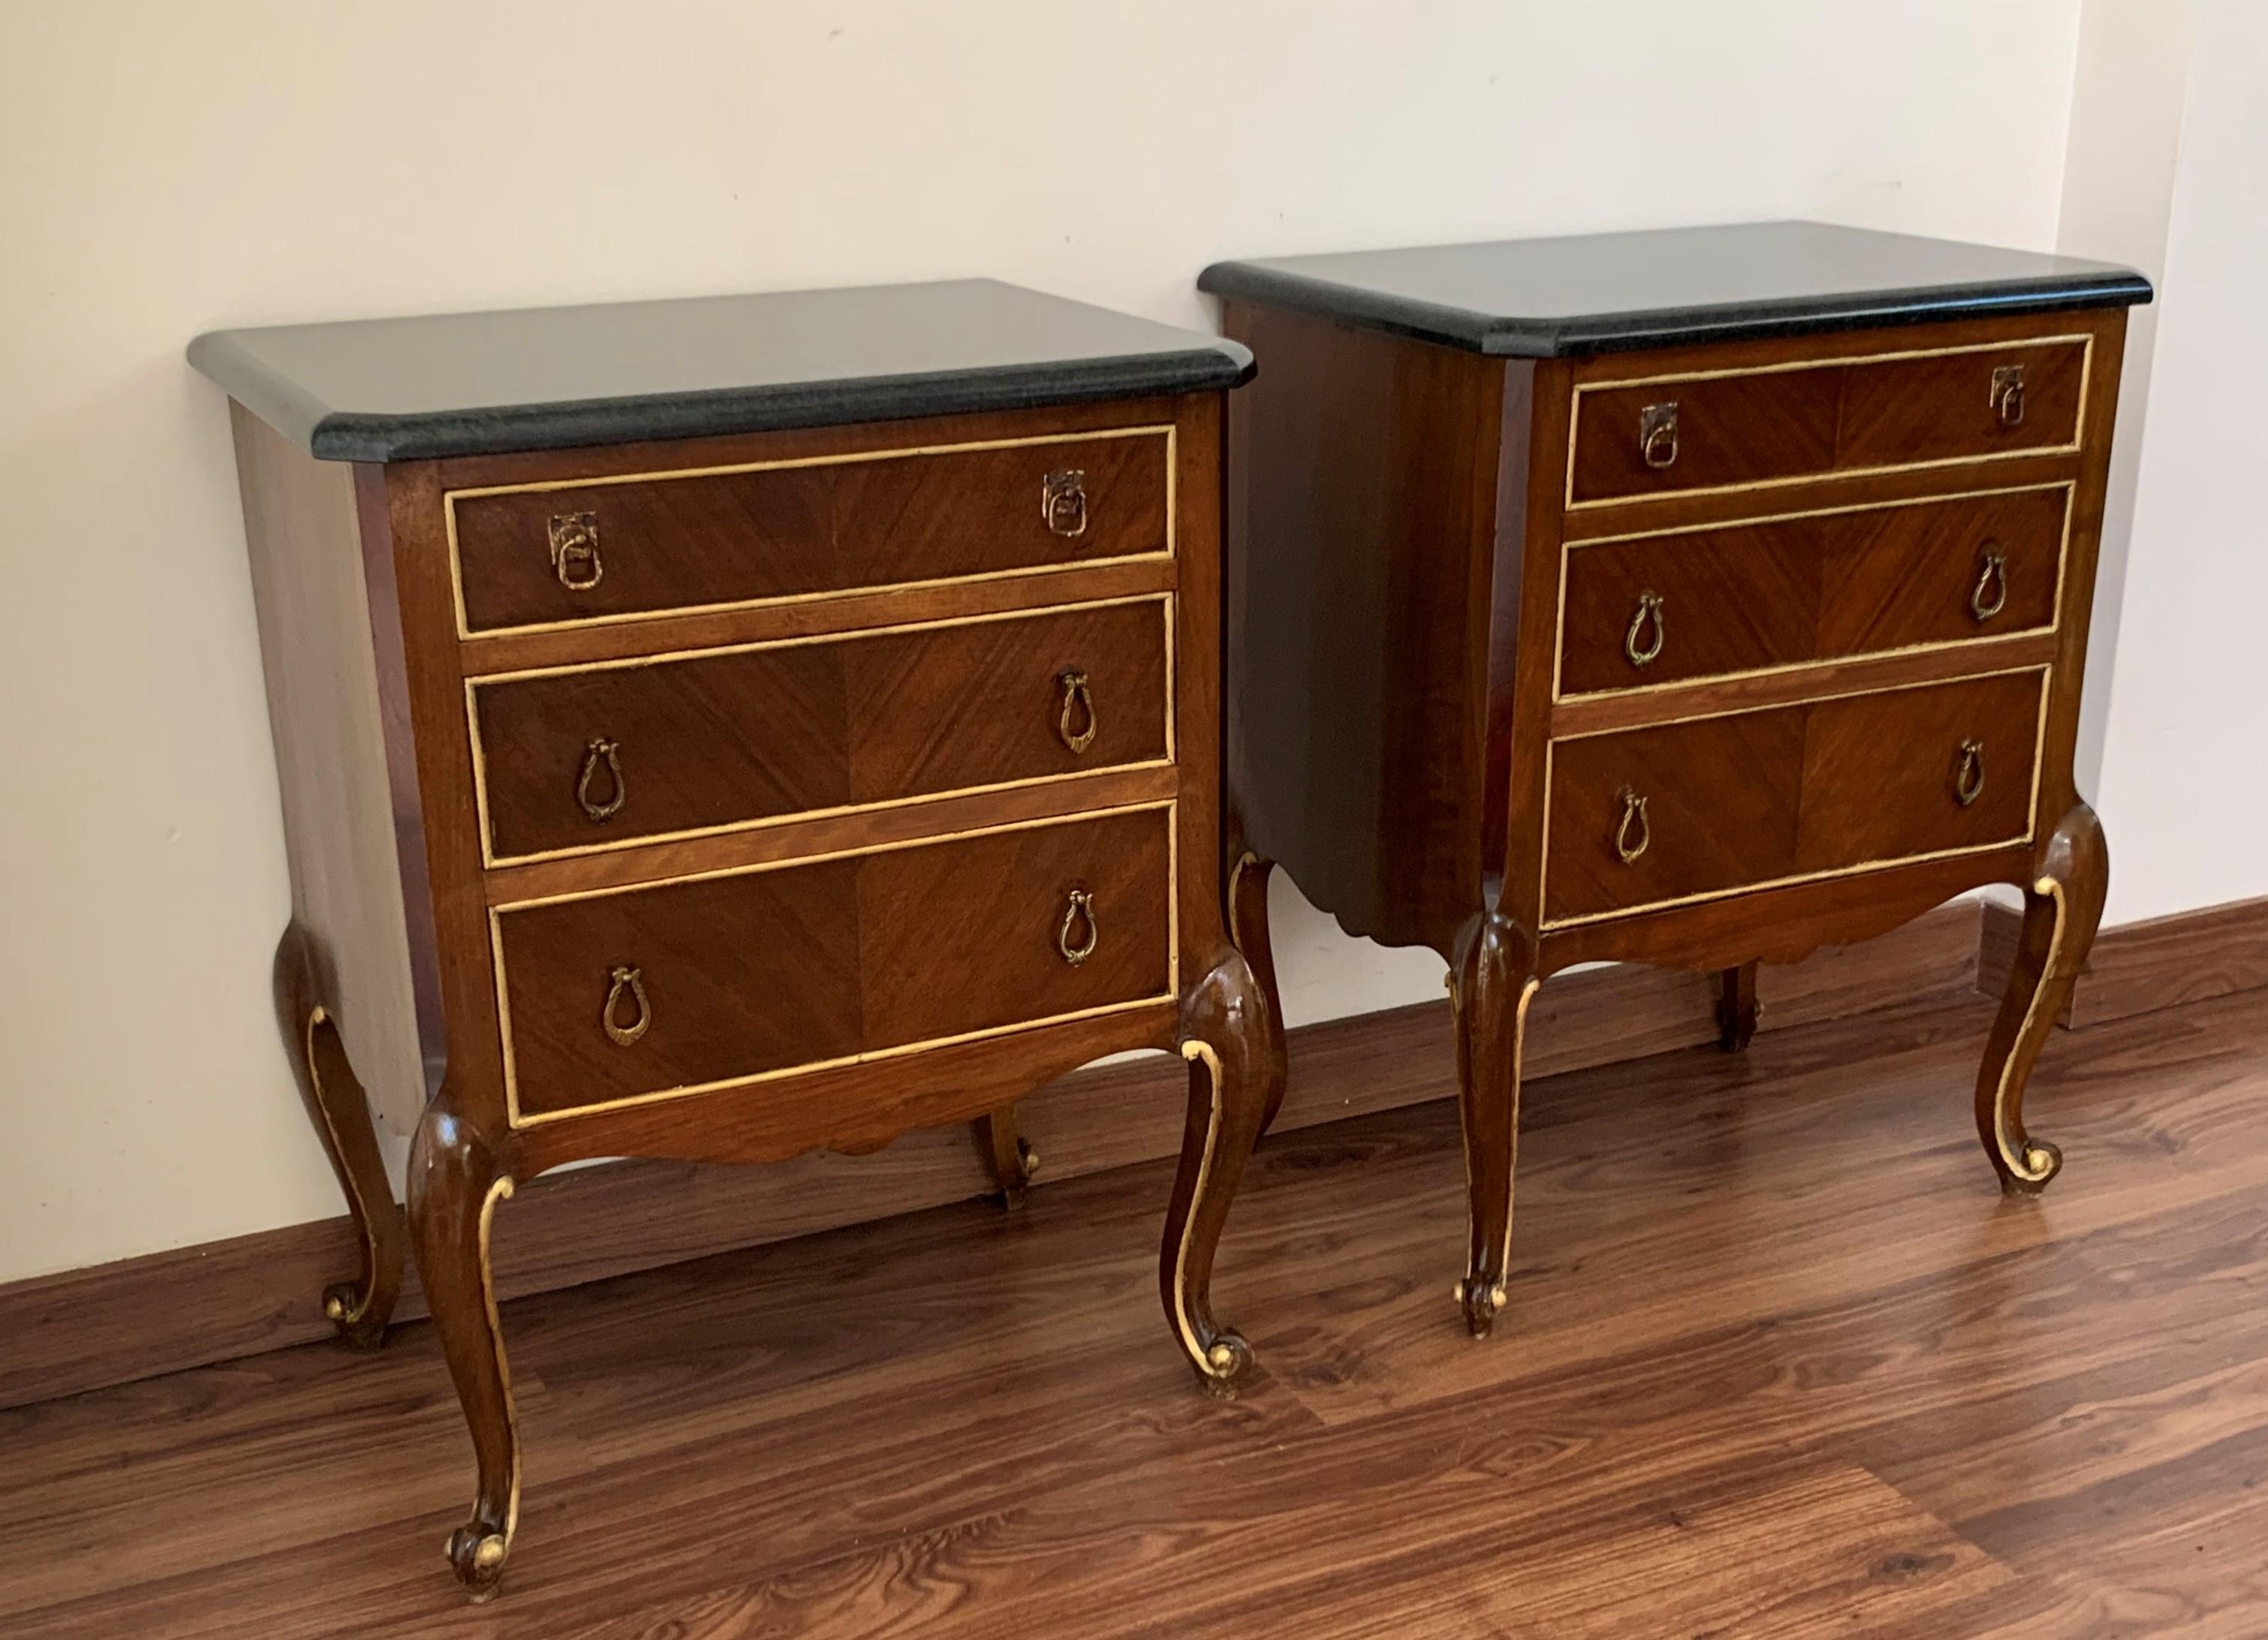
[
  {"x": 578, "y": 550},
  {"x": 1776, "y": 424}
]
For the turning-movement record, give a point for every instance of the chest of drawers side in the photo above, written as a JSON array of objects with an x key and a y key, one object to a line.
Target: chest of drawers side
[
  {"x": 1364, "y": 519},
  {"x": 330, "y": 636}
]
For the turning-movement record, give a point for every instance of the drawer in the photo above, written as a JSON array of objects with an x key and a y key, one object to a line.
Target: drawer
[
  {"x": 609, "y": 756},
  {"x": 682, "y": 987},
  {"x": 1692, "y": 810},
  {"x": 608, "y": 549},
  {"x": 1664, "y": 608},
  {"x": 1702, "y": 432}
]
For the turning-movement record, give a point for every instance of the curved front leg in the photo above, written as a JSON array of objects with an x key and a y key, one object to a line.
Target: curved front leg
[
  {"x": 456, "y": 1179},
  {"x": 1247, "y": 930},
  {"x": 340, "y": 1111},
  {"x": 2061, "y": 909},
  {"x": 1490, "y": 987},
  {"x": 1233, "y": 1083}
]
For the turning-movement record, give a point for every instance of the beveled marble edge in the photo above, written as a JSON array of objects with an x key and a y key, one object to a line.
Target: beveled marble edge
[
  {"x": 343, "y": 435},
  {"x": 1513, "y": 337}
]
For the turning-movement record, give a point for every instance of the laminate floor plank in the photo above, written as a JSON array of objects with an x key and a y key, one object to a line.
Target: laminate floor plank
[{"x": 1779, "y": 1361}]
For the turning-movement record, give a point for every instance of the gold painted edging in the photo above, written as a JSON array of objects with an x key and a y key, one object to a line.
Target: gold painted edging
[
  {"x": 1172, "y": 994},
  {"x": 1194, "y": 1051},
  {"x": 1566, "y": 548},
  {"x": 1550, "y": 924},
  {"x": 449, "y": 499},
  {"x": 491, "y": 859},
  {"x": 501, "y": 1190},
  {"x": 2022, "y": 1165},
  {"x": 1497, "y": 1294},
  {"x": 2086, "y": 340}
]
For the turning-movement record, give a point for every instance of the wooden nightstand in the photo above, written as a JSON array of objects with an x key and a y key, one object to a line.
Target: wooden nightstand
[
  {"x": 722, "y": 729},
  {"x": 1690, "y": 597}
]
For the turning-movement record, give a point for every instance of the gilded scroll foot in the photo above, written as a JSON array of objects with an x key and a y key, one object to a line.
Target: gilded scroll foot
[
  {"x": 2062, "y": 906},
  {"x": 340, "y": 1111},
  {"x": 1013, "y": 1163},
  {"x": 1224, "y": 1031},
  {"x": 1491, "y": 983},
  {"x": 456, "y": 1179}
]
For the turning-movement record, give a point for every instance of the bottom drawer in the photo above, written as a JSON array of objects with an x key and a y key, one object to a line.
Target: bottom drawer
[
  {"x": 1650, "y": 817},
  {"x": 678, "y": 987}
]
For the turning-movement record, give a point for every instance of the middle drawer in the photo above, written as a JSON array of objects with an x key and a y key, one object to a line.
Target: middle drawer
[
  {"x": 578, "y": 759},
  {"x": 1645, "y": 610}
]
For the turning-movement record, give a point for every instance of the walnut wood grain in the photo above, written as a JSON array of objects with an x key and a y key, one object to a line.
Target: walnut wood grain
[
  {"x": 705, "y": 538},
  {"x": 712, "y": 741},
  {"x": 1790, "y": 1365},
  {"x": 1744, "y": 597}
]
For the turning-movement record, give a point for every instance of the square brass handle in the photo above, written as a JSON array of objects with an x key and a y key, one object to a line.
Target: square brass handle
[{"x": 575, "y": 550}]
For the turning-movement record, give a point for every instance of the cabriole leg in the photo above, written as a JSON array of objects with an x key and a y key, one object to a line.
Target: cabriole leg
[
  {"x": 2062, "y": 906},
  {"x": 1247, "y": 930},
  {"x": 456, "y": 1179},
  {"x": 1013, "y": 1162},
  {"x": 1225, "y": 1033},
  {"x": 340, "y": 1111},
  {"x": 1737, "y": 1007},
  {"x": 1491, "y": 986}
]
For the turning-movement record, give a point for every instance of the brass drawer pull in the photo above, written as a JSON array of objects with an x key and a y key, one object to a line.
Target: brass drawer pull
[
  {"x": 1076, "y": 698},
  {"x": 2008, "y": 394},
  {"x": 1969, "y": 775},
  {"x": 575, "y": 550},
  {"x": 1063, "y": 502},
  {"x": 1649, "y": 609},
  {"x": 1657, "y": 434},
  {"x": 1633, "y": 813},
  {"x": 1993, "y": 581},
  {"x": 600, "y": 751},
  {"x": 1079, "y": 908},
  {"x": 623, "y": 1035}
]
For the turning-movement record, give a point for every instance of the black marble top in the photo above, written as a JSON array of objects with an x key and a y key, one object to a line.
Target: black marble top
[
  {"x": 1611, "y": 293},
  {"x": 543, "y": 378}
]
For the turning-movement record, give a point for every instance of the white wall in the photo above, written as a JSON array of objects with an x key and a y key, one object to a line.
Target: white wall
[
  {"x": 167, "y": 167},
  {"x": 2185, "y": 790}
]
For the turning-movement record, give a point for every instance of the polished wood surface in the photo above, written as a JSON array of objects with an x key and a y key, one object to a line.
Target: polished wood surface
[
  {"x": 1864, "y": 718},
  {"x": 1741, "y": 426},
  {"x": 219, "y": 1301},
  {"x": 606, "y": 756},
  {"x": 682, "y": 542},
  {"x": 1782, "y": 592},
  {"x": 1787, "y": 1367},
  {"x": 861, "y": 966}
]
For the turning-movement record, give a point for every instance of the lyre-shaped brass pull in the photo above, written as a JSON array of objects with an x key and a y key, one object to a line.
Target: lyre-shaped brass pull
[
  {"x": 1633, "y": 815},
  {"x": 1078, "y": 909},
  {"x": 2008, "y": 394},
  {"x": 600, "y": 751},
  {"x": 625, "y": 979},
  {"x": 1062, "y": 501},
  {"x": 1968, "y": 774},
  {"x": 1649, "y": 613},
  {"x": 1990, "y": 595},
  {"x": 1657, "y": 434},
  {"x": 1078, "y": 699},
  {"x": 575, "y": 550}
]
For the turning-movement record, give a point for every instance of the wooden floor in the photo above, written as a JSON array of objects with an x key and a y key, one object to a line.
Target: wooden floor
[{"x": 1780, "y": 1361}]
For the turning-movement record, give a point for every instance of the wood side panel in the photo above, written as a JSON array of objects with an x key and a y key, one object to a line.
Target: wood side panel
[
  {"x": 702, "y": 539},
  {"x": 1368, "y": 467},
  {"x": 329, "y": 696}
]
